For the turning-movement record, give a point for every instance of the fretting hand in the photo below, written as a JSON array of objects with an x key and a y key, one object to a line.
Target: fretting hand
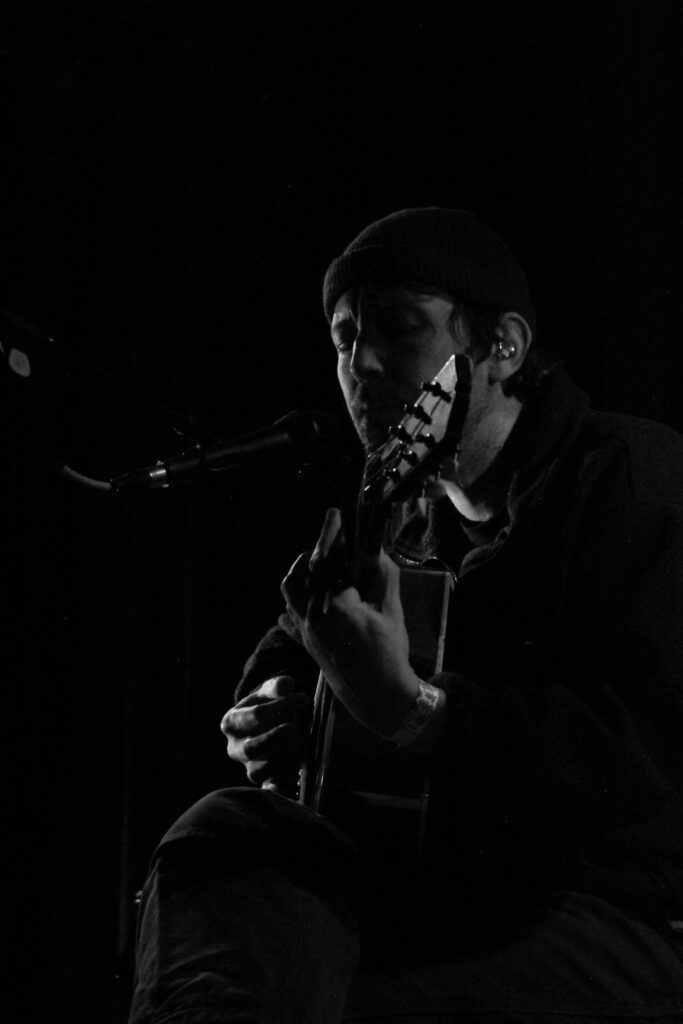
[{"x": 361, "y": 645}]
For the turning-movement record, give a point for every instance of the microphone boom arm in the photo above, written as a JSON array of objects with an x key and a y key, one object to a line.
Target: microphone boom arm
[{"x": 305, "y": 435}]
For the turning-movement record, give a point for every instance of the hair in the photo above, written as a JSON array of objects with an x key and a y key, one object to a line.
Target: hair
[{"x": 474, "y": 327}]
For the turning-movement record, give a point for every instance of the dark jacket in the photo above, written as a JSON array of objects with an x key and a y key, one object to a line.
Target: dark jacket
[{"x": 562, "y": 764}]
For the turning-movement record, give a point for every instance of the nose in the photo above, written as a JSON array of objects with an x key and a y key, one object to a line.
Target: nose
[{"x": 366, "y": 357}]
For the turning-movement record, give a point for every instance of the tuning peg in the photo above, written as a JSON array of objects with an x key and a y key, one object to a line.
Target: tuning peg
[
  {"x": 434, "y": 388},
  {"x": 408, "y": 455},
  {"x": 419, "y": 413},
  {"x": 426, "y": 439},
  {"x": 400, "y": 433}
]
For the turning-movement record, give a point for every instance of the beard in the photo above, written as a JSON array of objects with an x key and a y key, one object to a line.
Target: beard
[{"x": 374, "y": 408}]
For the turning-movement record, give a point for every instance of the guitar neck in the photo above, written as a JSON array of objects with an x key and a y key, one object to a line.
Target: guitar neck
[
  {"x": 429, "y": 431},
  {"x": 369, "y": 533}
]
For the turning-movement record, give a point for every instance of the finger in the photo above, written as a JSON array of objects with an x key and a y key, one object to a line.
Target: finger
[
  {"x": 331, "y": 535},
  {"x": 277, "y": 686},
  {"x": 259, "y": 771},
  {"x": 278, "y": 742},
  {"x": 388, "y": 594},
  {"x": 295, "y": 587},
  {"x": 252, "y": 719},
  {"x": 271, "y": 689},
  {"x": 278, "y": 764},
  {"x": 329, "y": 564},
  {"x": 275, "y": 745},
  {"x": 263, "y": 774},
  {"x": 381, "y": 584},
  {"x": 330, "y": 615}
]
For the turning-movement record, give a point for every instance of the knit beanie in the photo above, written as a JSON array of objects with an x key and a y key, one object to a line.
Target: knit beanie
[{"x": 448, "y": 249}]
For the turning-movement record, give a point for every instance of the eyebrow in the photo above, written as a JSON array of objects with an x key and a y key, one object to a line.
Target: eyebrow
[
  {"x": 406, "y": 304},
  {"x": 399, "y": 302},
  {"x": 340, "y": 318},
  {"x": 386, "y": 305}
]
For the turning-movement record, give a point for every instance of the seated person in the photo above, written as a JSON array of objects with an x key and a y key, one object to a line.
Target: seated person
[{"x": 550, "y": 878}]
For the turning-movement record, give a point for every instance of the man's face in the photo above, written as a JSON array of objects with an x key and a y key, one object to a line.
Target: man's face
[{"x": 389, "y": 340}]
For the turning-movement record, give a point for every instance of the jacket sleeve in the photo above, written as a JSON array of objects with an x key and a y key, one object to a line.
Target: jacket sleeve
[
  {"x": 585, "y": 733},
  {"x": 279, "y": 652}
]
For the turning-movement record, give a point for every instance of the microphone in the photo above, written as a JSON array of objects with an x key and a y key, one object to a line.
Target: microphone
[
  {"x": 304, "y": 435},
  {"x": 22, "y": 344}
]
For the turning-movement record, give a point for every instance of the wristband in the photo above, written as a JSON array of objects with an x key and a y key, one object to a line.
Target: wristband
[{"x": 415, "y": 722}]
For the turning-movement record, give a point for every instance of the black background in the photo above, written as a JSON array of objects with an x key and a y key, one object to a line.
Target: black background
[{"x": 176, "y": 178}]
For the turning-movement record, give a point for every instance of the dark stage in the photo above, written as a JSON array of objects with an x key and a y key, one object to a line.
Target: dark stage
[{"x": 176, "y": 177}]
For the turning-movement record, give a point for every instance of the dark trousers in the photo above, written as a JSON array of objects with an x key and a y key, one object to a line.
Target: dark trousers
[{"x": 257, "y": 910}]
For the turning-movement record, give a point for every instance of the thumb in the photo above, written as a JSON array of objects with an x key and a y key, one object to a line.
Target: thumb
[{"x": 277, "y": 686}]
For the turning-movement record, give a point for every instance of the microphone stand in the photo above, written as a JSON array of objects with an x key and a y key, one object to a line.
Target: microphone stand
[{"x": 27, "y": 348}]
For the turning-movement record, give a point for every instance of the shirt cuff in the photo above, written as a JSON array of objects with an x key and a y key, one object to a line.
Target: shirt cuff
[{"x": 428, "y": 709}]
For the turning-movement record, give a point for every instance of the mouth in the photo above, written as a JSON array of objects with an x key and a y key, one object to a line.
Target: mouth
[
  {"x": 370, "y": 410},
  {"x": 373, "y": 423},
  {"x": 374, "y": 410},
  {"x": 389, "y": 412}
]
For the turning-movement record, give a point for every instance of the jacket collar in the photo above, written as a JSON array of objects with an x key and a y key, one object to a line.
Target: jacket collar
[{"x": 546, "y": 428}]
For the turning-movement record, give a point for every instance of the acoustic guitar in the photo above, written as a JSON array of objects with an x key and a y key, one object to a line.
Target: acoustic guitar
[{"x": 350, "y": 773}]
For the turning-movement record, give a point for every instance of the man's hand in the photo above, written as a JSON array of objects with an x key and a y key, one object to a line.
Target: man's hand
[
  {"x": 266, "y": 733},
  {"x": 360, "y": 645}
]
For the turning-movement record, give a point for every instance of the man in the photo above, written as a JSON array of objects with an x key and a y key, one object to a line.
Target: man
[{"x": 553, "y": 878}]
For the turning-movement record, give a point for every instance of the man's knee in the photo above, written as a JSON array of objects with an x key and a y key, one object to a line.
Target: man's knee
[{"x": 226, "y": 815}]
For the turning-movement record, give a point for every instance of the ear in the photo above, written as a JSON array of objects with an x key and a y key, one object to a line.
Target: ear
[{"x": 513, "y": 340}]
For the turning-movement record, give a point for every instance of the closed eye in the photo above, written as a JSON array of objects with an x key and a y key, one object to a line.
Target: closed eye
[
  {"x": 343, "y": 339},
  {"x": 343, "y": 331}
]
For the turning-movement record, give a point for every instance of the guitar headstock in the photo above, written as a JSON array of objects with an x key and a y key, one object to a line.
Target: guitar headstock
[{"x": 429, "y": 432}]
